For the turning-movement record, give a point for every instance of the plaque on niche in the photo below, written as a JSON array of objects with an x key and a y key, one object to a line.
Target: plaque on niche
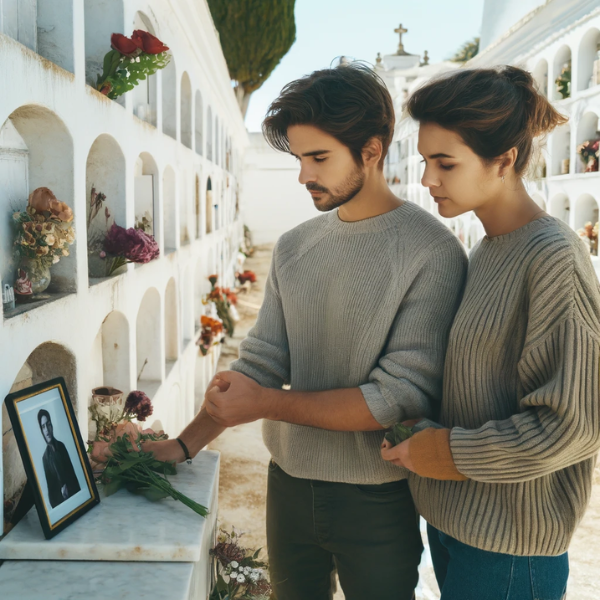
[{"x": 54, "y": 455}]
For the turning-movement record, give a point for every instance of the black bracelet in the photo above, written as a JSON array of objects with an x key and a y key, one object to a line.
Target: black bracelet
[{"x": 188, "y": 458}]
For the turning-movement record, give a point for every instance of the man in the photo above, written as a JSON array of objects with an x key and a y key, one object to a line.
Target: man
[
  {"x": 60, "y": 475},
  {"x": 357, "y": 310}
]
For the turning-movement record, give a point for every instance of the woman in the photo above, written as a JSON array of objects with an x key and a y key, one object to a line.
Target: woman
[{"x": 505, "y": 482}]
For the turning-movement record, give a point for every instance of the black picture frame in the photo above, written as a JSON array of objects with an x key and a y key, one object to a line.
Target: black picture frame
[{"x": 60, "y": 479}]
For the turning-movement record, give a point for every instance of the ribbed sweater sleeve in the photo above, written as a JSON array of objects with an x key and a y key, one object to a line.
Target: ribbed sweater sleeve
[
  {"x": 264, "y": 354},
  {"x": 558, "y": 423},
  {"x": 407, "y": 381}
]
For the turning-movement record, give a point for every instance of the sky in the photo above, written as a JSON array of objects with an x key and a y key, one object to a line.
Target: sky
[{"x": 327, "y": 29}]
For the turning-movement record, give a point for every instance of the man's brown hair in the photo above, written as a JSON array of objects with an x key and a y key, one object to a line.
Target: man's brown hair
[{"x": 350, "y": 102}]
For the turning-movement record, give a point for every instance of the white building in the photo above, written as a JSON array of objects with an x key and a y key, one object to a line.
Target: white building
[
  {"x": 172, "y": 147},
  {"x": 544, "y": 40}
]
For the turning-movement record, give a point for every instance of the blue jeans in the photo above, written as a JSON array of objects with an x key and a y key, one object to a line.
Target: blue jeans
[{"x": 467, "y": 573}]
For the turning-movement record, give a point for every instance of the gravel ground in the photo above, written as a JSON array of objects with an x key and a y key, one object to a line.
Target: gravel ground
[{"x": 244, "y": 459}]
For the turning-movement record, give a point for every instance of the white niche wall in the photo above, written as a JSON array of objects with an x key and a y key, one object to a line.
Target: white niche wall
[
  {"x": 586, "y": 211},
  {"x": 171, "y": 326},
  {"x": 148, "y": 343},
  {"x": 169, "y": 99},
  {"x": 169, "y": 209},
  {"x": 186, "y": 111},
  {"x": 145, "y": 188}
]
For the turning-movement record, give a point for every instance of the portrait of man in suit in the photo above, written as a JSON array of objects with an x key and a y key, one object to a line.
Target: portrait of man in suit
[{"x": 58, "y": 468}]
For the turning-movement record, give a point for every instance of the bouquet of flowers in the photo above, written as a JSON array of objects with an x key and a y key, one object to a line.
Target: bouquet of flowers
[
  {"x": 224, "y": 300},
  {"x": 130, "y": 61},
  {"x": 210, "y": 335},
  {"x": 589, "y": 235},
  {"x": 44, "y": 230},
  {"x": 563, "y": 81},
  {"x": 590, "y": 152},
  {"x": 240, "y": 572},
  {"x": 122, "y": 246},
  {"x": 246, "y": 276}
]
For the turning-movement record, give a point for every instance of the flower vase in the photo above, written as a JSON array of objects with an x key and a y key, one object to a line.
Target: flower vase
[
  {"x": 107, "y": 405},
  {"x": 33, "y": 277}
]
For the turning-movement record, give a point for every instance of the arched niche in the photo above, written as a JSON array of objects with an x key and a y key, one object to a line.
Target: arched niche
[
  {"x": 116, "y": 368},
  {"x": 185, "y": 223},
  {"x": 105, "y": 173},
  {"x": 47, "y": 361},
  {"x": 589, "y": 52},
  {"x": 209, "y": 206},
  {"x": 562, "y": 59},
  {"x": 540, "y": 76},
  {"x": 199, "y": 124},
  {"x": 217, "y": 141},
  {"x": 586, "y": 211},
  {"x": 36, "y": 150},
  {"x": 169, "y": 209},
  {"x": 171, "y": 325},
  {"x": 145, "y": 192},
  {"x": 198, "y": 206},
  {"x": 561, "y": 150},
  {"x": 209, "y": 134},
  {"x": 148, "y": 343},
  {"x": 200, "y": 288},
  {"x": 145, "y": 94},
  {"x": 587, "y": 130},
  {"x": 102, "y": 19},
  {"x": 187, "y": 305},
  {"x": 186, "y": 110},
  {"x": 560, "y": 207},
  {"x": 169, "y": 99}
]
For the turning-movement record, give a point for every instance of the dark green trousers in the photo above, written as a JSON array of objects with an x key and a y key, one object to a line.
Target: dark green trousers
[{"x": 369, "y": 533}]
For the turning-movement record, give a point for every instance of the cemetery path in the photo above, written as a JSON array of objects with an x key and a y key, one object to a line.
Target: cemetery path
[{"x": 244, "y": 459}]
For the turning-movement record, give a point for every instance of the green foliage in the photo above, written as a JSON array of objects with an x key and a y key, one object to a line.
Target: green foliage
[
  {"x": 467, "y": 51},
  {"x": 255, "y": 35},
  {"x": 398, "y": 434},
  {"x": 141, "y": 473}
]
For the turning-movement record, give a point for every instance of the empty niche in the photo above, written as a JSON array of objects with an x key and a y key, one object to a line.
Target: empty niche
[
  {"x": 198, "y": 206},
  {"x": 144, "y": 95},
  {"x": 185, "y": 223},
  {"x": 560, "y": 207},
  {"x": 145, "y": 191},
  {"x": 588, "y": 68},
  {"x": 102, "y": 19},
  {"x": 36, "y": 150},
  {"x": 186, "y": 110},
  {"x": 586, "y": 211},
  {"x": 171, "y": 325},
  {"x": 148, "y": 343},
  {"x": 47, "y": 361},
  {"x": 217, "y": 157},
  {"x": 115, "y": 352},
  {"x": 187, "y": 310},
  {"x": 561, "y": 150},
  {"x": 105, "y": 174},
  {"x": 169, "y": 99},
  {"x": 209, "y": 206},
  {"x": 540, "y": 76},
  {"x": 209, "y": 134},
  {"x": 169, "y": 209},
  {"x": 199, "y": 124}
]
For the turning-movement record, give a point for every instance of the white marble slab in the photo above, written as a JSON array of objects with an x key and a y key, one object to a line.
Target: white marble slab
[
  {"x": 66, "y": 580},
  {"x": 126, "y": 527}
]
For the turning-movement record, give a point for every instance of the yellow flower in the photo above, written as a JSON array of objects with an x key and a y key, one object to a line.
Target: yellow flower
[
  {"x": 70, "y": 239},
  {"x": 65, "y": 252}
]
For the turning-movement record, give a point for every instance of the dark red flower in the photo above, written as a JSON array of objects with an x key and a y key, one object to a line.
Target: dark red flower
[
  {"x": 213, "y": 279},
  {"x": 147, "y": 42},
  {"x": 134, "y": 244},
  {"x": 124, "y": 45},
  {"x": 138, "y": 405}
]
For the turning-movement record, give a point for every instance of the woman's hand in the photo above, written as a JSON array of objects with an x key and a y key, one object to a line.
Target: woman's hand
[{"x": 398, "y": 455}]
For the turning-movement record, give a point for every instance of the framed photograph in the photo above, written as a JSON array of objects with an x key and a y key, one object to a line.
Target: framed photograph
[{"x": 53, "y": 454}]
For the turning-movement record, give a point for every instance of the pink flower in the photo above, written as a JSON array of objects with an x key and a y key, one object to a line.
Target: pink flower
[
  {"x": 102, "y": 254},
  {"x": 134, "y": 244}
]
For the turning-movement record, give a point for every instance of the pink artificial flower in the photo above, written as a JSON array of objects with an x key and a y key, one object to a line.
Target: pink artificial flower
[{"x": 134, "y": 244}]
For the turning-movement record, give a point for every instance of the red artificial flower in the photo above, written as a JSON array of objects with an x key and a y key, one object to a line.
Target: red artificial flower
[
  {"x": 124, "y": 45},
  {"x": 147, "y": 42}
]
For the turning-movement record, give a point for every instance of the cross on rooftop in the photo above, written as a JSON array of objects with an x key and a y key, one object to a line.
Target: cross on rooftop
[{"x": 400, "y": 30}]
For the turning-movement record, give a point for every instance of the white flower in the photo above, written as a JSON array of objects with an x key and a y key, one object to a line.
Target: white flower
[
  {"x": 241, "y": 578},
  {"x": 233, "y": 574},
  {"x": 137, "y": 59},
  {"x": 55, "y": 259},
  {"x": 254, "y": 576},
  {"x": 234, "y": 564},
  {"x": 247, "y": 570}
]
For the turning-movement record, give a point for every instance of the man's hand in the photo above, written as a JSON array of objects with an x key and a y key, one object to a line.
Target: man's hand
[
  {"x": 398, "y": 455},
  {"x": 235, "y": 399},
  {"x": 165, "y": 450}
]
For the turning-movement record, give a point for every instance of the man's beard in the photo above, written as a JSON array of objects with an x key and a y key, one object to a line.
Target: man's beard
[{"x": 341, "y": 195}]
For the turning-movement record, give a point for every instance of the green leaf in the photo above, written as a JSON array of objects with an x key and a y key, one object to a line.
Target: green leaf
[
  {"x": 398, "y": 434},
  {"x": 114, "y": 486}
]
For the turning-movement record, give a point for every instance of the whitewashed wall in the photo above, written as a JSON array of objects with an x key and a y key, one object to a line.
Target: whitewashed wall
[
  {"x": 158, "y": 149},
  {"x": 274, "y": 200}
]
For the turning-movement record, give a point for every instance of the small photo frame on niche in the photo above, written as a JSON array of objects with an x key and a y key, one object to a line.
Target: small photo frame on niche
[{"x": 53, "y": 454}]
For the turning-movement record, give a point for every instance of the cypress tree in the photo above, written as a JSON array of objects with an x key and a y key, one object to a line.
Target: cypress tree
[{"x": 255, "y": 35}]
